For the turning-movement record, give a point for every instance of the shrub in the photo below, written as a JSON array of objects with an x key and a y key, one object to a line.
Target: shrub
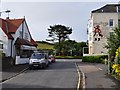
[
  {"x": 116, "y": 69},
  {"x": 94, "y": 59},
  {"x": 68, "y": 57}
]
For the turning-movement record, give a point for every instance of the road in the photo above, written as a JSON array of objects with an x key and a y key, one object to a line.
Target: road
[
  {"x": 62, "y": 74},
  {"x": 96, "y": 76}
]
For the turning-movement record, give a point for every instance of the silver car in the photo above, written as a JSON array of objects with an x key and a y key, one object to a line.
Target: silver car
[{"x": 39, "y": 60}]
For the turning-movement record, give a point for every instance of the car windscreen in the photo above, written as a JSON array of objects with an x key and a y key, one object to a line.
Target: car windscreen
[{"x": 37, "y": 56}]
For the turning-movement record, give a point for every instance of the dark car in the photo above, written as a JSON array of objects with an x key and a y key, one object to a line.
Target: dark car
[{"x": 52, "y": 59}]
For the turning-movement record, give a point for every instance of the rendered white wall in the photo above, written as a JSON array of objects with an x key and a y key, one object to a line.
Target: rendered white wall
[
  {"x": 101, "y": 19},
  {"x": 17, "y": 34},
  {"x": 4, "y": 39}
]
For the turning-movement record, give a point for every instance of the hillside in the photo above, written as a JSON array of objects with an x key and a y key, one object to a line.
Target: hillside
[{"x": 44, "y": 45}]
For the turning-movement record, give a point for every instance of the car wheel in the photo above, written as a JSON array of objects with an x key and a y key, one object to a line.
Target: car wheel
[
  {"x": 44, "y": 66},
  {"x": 30, "y": 68},
  {"x": 47, "y": 65}
]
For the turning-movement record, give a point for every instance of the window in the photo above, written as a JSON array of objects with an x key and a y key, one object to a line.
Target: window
[
  {"x": 20, "y": 34},
  {"x": 119, "y": 22},
  {"x": 1, "y": 46},
  {"x": 118, "y": 9},
  {"x": 110, "y": 22},
  {"x": 26, "y": 36}
]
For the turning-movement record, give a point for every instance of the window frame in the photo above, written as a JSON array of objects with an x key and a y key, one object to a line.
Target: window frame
[
  {"x": 119, "y": 22},
  {"x": 111, "y": 22}
]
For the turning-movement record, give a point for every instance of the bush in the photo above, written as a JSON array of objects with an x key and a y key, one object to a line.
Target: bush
[
  {"x": 94, "y": 59},
  {"x": 68, "y": 57},
  {"x": 116, "y": 69}
]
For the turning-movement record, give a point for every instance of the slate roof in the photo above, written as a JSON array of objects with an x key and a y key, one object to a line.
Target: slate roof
[{"x": 109, "y": 8}]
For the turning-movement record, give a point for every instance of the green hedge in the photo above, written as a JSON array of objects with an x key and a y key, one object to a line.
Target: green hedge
[
  {"x": 94, "y": 59},
  {"x": 68, "y": 57}
]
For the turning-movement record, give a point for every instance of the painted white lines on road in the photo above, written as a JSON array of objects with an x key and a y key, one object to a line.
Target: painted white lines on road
[
  {"x": 83, "y": 80},
  {"x": 78, "y": 85},
  {"x": 14, "y": 76},
  {"x": 100, "y": 69}
]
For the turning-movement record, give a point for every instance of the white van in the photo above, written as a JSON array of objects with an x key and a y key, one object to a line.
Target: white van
[{"x": 39, "y": 60}]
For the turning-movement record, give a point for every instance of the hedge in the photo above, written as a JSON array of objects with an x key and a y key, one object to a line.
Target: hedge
[
  {"x": 68, "y": 57},
  {"x": 94, "y": 59}
]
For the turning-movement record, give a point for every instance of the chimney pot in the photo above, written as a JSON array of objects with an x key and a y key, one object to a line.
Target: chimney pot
[{"x": 7, "y": 17}]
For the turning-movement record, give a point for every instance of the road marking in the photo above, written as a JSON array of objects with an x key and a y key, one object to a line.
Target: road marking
[
  {"x": 83, "y": 80},
  {"x": 14, "y": 76},
  {"x": 100, "y": 69},
  {"x": 78, "y": 86}
]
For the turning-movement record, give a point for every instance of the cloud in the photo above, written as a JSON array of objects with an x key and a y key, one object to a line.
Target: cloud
[{"x": 40, "y": 15}]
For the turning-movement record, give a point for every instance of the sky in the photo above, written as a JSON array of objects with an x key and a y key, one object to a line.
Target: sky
[{"x": 40, "y": 15}]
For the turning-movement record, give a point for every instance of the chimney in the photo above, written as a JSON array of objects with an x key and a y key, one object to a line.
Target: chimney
[{"x": 7, "y": 18}]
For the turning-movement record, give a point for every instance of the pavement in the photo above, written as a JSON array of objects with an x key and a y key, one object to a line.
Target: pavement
[
  {"x": 13, "y": 71},
  {"x": 96, "y": 76}
]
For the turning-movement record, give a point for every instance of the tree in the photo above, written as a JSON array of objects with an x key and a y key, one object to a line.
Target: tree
[
  {"x": 79, "y": 48},
  {"x": 59, "y": 33},
  {"x": 113, "y": 42},
  {"x": 68, "y": 47},
  {"x": 71, "y": 48}
]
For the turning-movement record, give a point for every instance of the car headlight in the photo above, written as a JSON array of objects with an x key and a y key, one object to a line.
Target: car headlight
[
  {"x": 30, "y": 62},
  {"x": 42, "y": 60}
]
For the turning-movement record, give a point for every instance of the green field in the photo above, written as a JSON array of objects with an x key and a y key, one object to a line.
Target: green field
[{"x": 44, "y": 46}]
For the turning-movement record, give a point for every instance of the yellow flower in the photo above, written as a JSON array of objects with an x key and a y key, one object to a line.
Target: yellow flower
[
  {"x": 114, "y": 66},
  {"x": 119, "y": 49},
  {"x": 117, "y": 70}
]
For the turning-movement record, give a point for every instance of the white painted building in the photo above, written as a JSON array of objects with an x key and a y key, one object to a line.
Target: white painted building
[
  {"x": 100, "y": 26},
  {"x": 16, "y": 40}
]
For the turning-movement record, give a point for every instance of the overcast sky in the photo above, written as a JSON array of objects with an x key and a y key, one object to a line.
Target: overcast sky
[{"x": 40, "y": 15}]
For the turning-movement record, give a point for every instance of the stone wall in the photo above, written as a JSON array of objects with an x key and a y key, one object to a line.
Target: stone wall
[{"x": 7, "y": 62}]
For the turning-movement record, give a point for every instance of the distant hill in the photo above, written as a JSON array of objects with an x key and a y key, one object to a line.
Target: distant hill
[{"x": 44, "y": 45}]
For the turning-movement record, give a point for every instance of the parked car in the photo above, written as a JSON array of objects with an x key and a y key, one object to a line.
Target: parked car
[
  {"x": 39, "y": 60},
  {"x": 52, "y": 59}
]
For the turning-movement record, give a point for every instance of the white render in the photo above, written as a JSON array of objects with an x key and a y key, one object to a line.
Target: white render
[
  {"x": 17, "y": 35},
  {"x": 9, "y": 44},
  {"x": 6, "y": 43},
  {"x": 101, "y": 19}
]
